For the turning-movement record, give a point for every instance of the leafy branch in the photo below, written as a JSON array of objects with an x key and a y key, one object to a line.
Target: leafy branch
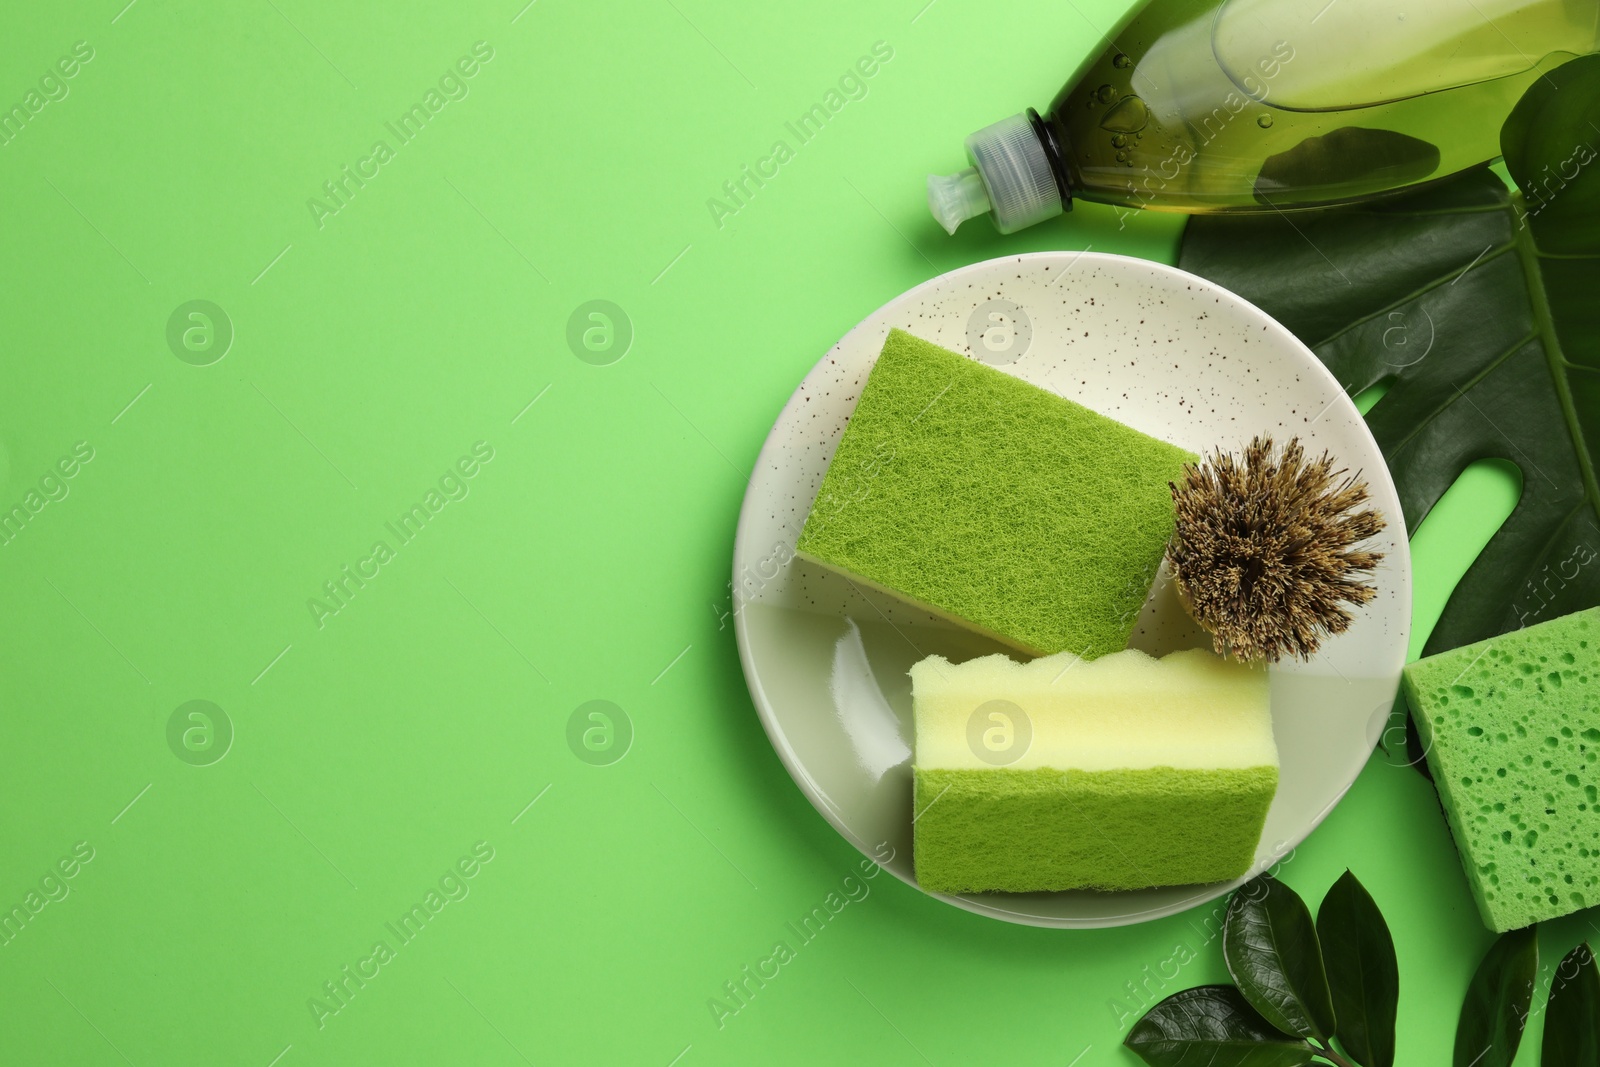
[{"x": 1328, "y": 991}]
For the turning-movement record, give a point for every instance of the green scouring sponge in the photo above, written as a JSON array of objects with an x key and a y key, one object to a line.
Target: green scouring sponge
[
  {"x": 1512, "y": 730},
  {"x": 1117, "y": 773},
  {"x": 992, "y": 502}
]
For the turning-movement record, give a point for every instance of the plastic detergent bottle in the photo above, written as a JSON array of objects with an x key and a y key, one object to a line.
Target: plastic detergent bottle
[{"x": 1259, "y": 105}]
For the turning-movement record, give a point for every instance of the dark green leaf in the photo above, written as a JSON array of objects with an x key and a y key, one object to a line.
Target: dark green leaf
[
  {"x": 1362, "y": 973},
  {"x": 1212, "y": 1026},
  {"x": 1550, "y": 143},
  {"x": 1496, "y": 1006},
  {"x": 1490, "y": 343},
  {"x": 1572, "y": 1020},
  {"x": 1271, "y": 948}
]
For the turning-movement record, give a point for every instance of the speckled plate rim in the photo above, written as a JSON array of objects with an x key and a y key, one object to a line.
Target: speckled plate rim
[{"x": 986, "y": 905}]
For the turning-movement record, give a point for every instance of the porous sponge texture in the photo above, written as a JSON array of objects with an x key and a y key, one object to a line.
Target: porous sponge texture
[
  {"x": 995, "y": 503},
  {"x": 1045, "y": 829},
  {"x": 1121, "y": 772},
  {"x": 1512, "y": 730}
]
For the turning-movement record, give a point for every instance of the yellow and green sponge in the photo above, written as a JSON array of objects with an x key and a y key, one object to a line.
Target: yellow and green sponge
[
  {"x": 1122, "y": 772},
  {"x": 1512, "y": 730},
  {"x": 995, "y": 503}
]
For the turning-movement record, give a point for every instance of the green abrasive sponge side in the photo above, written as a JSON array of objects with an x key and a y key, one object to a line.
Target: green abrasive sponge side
[
  {"x": 1115, "y": 773},
  {"x": 995, "y": 503},
  {"x": 1512, "y": 729},
  {"x": 1043, "y": 829}
]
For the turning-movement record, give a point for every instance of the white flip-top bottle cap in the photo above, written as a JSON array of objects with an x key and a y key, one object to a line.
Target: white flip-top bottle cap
[{"x": 1018, "y": 188}]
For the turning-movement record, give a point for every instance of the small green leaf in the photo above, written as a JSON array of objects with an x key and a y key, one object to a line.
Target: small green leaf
[
  {"x": 1496, "y": 1006},
  {"x": 1212, "y": 1026},
  {"x": 1271, "y": 947},
  {"x": 1362, "y": 973},
  {"x": 1572, "y": 1019}
]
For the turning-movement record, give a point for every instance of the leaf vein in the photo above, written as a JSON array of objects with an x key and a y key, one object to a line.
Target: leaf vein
[
  {"x": 1461, "y": 391},
  {"x": 1442, "y": 280}
]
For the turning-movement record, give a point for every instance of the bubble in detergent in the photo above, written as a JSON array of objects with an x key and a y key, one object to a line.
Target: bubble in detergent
[
  {"x": 1264, "y": 121},
  {"x": 1106, "y": 94},
  {"x": 1122, "y": 62},
  {"x": 1122, "y": 156},
  {"x": 1119, "y": 141},
  {"x": 1130, "y": 115}
]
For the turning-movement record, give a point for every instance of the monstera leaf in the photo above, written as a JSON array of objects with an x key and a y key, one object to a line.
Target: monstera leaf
[{"x": 1480, "y": 307}]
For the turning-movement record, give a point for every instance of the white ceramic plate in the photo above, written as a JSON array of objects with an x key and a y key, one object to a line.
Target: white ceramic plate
[{"x": 1164, "y": 351}]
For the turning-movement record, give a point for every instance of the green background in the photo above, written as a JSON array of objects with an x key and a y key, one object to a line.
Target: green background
[{"x": 372, "y": 348}]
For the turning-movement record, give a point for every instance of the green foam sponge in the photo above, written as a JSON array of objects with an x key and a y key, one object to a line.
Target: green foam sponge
[
  {"x": 995, "y": 503},
  {"x": 1117, "y": 773},
  {"x": 1512, "y": 729}
]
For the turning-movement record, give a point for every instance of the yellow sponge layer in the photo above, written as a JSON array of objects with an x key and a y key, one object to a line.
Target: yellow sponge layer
[
  {"x": 995, "y": 503},
  {"x": 1192, "y": 710},
  {"x": 1118, "y": 773}
]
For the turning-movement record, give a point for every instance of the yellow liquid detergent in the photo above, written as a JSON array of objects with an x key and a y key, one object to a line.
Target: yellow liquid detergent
[{"x": 1258, "y": 105}]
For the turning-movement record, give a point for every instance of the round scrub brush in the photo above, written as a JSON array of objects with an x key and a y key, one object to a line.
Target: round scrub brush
[{"x": 1263, "y": 550}]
